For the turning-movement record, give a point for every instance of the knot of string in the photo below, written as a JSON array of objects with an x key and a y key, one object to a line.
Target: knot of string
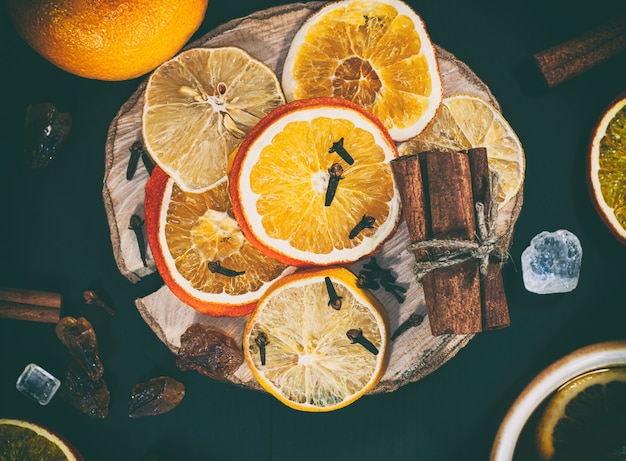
[{"x": 487, "y": 245}]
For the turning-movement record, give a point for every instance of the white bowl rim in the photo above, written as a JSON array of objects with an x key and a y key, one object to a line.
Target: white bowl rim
[{"x": 585, "y": 359}]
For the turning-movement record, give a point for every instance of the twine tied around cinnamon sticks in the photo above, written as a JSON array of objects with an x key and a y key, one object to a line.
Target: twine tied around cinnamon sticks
[{"x": 488, "y": 244}]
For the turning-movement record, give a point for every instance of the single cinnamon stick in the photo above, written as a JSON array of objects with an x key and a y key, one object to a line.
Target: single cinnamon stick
[
  {"x": 30, "y": 305},
  {"x": 494, "y": 307},
  {"x": 408, "y": 176},
  {"x": 452, "y": 217},
  {"x": 575, "y": 56}
]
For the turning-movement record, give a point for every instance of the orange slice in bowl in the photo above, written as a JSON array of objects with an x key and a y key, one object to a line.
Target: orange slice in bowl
[
  {"x": 313, "y": 354},
  {"x": 607, "y": 168},
  {"x": 586, "y": 414},
  {"x": 201, "y": 253},
  {"x": 285, "y": 172},
  {"x": 375, "y": 53}
]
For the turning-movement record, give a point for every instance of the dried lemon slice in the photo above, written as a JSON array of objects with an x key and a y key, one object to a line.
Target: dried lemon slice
[
  {"x": 199, "y": 106},
  {"x": 309, "y": 354},
  {"x": 465, "y": 121}
]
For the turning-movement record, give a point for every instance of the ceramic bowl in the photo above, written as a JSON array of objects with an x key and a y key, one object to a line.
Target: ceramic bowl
[{"x": 589, "y": 358}]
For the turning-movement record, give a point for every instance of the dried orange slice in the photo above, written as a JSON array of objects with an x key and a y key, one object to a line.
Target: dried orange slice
[
  {"x": 285, "y": 170},
  {"x": 607, "y": 167},
  {"x": 201, "y": 253},
  {"x": 310, "y": 355},
  {"x": 26, "y": 441},
  {"x": 199, "y": 106},
  {"x": 375, "y": 53},
  {"x": 465, "y": 121}
]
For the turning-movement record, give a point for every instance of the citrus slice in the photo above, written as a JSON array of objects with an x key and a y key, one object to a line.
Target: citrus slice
[
  {"x": 286, "y": 169},
  {"x": 313, "y": 354},
  {"x": 25, "y": 441},
  {"x": 199, "y": 105},
  {"x": 607, "y": 167},
  {"x": 374, "y": 53},
  {"x": 201, "y": 253},
  {"x": 465, "y": 121},
  {"x": 586, "y": 412}
]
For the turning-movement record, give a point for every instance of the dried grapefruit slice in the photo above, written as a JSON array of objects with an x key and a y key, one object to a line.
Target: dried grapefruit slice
[
  {"x": 374, "y": 53},
  {"x": 199, "y": 105},
  {"x": 607, "y": 167},
  {"x": 283, "y": 171},
  {"x": 200, "y": 251},
  {"x": 310, "y": 355}
]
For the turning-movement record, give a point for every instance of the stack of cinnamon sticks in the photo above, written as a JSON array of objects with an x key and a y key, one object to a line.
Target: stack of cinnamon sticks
[
  {"x": 30, "y": 305},
  {"x": 440, "y": 192}
]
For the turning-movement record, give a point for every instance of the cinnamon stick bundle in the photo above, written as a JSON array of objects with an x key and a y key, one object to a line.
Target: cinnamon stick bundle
[
  {"x": 439, "y": 191},
  {"x": 30, "y": 305},
  {"x": 452, "y": 294}
]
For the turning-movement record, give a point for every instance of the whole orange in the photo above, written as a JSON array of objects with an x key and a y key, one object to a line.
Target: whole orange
[{"x": 107, "y": 39}]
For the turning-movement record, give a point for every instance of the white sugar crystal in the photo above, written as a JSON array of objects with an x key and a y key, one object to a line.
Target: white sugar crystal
[
  {"x": 37, "y": 383},
  {"x": 551, "y": 264}
]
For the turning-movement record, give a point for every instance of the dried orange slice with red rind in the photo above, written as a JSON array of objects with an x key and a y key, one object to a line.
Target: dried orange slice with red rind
[
  {"x": 200, "y": 251},
  {"x": 281, "y": 174}
]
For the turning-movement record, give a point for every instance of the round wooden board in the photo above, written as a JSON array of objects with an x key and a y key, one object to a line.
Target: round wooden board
[{"x": 266, "y": 35}]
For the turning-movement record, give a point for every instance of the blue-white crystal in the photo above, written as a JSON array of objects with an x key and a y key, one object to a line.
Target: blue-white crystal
[{"x": 551, "y": 264}]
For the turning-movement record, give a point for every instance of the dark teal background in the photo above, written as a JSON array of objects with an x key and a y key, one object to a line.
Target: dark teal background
[{"x": 54, "y": 236}]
